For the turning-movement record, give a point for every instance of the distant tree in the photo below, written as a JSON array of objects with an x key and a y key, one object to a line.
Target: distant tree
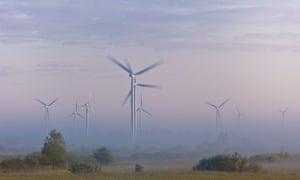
[
  {"x": 103, "y": 156},
  {"x": 54, "y": 150}
]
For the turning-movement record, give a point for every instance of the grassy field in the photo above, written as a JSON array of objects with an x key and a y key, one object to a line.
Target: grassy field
[{"x": 162, "y": 170}]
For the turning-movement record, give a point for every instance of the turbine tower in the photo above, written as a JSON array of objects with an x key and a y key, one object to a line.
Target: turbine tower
[
  {"x": 239, "y": 116},
  {"x": 87, "y": 106},
  {"x": 75, "y": 114},
  {"x": 47, "y": 116},
  {"x": 140, "y": 110},
  {"x": 283, "y": 113},
  {"x": 218, "y": 115},
  {"x": 132, "y": 92}
]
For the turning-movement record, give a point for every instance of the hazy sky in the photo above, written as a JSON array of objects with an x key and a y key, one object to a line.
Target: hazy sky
[{"x": 247, "y": 51}]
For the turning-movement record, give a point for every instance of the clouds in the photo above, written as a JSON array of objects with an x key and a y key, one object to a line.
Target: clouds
[{"x": 155, "y": 24}]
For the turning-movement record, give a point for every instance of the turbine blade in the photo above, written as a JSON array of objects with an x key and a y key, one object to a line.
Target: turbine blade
[
  {"x": 53, "y": 102},
  {"x": 119, "y": 64},
  {"x": 224, "y": 103},
  {"x": 41, "y": 102},
  {"x": 128, "y": 65},
  {"x": 141, "y": 101},
  {"x": 80, "y": 115},
  {"x": 145, "y": 111},
  {"x": 149, "y": 86},
  {"x": 148, "y": 68},
  {"x": 70, "y": 115},
  {"x": 126, "y": 98},
  {"x": 210, "y": 104}
]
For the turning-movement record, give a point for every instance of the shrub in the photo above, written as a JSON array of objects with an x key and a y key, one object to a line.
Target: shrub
[
  {"x": 231, "y": 163},
  {"x": 138, "y": 168},
  {"x": 103, "y": 156},
  {"x": 254, "y": 167},
  {"x": 31, "y": 162},
  {"x": 84, "y": 168},
  {"x": 12, "y": 165}
]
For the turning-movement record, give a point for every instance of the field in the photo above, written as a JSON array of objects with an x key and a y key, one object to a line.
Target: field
[{"x": 163, "y": 170}]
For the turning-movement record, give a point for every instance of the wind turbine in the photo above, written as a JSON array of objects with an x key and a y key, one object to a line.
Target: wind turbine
[
  {"x": 87, "y": 106},
  {"x": 283, "y": 113},
  {"x": 132, "y": 92},
  {"x": 76, "y": 113},
  {"x": 218, "y": 115},
  {"x": 239, "y": 115},
  {"x": 47, "y": 116},
  {"x": 140, "y": 110}
]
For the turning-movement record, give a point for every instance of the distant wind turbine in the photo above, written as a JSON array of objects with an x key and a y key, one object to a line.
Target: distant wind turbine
[
  {"x": 76, "y": 113},
  {"x": 239, "y": 115},
  {"x": 47, "y": 116},
  {"x": 87, "y": 106},
  {"x": 218, "y": 115},
  {"x": 140, "y": 110},
  {"x": 283, "y": 112},
  {"x": 132, "y": 92}
]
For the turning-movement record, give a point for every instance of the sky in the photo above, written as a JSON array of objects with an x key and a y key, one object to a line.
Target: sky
[{"x": 247, "y": 51}]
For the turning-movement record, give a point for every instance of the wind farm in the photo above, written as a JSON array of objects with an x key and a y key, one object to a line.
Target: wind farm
[{"x": 149, "y": 89}]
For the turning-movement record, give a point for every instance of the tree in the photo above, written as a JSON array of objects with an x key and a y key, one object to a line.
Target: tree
[
  {"x": 103, "y": 156},
  {"x": 54, "y": 150}
]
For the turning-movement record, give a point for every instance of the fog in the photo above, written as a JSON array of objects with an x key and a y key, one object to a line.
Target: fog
[{"x": 250, "y": 136}]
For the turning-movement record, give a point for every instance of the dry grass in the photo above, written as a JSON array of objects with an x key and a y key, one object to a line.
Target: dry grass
[{"x": 175, "y": 170}]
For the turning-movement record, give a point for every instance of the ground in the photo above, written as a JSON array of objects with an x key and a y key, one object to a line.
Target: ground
[{"x": 163, "y": 170}]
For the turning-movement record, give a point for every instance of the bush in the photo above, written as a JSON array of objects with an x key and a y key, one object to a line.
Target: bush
[
  {"x": 254, "y": 167},
  {"x": 138, "y": 168},
  {"x": 31, "y": 162},
  {"x": 103, "y": 156},
  {"x": 231, "y": 163},
  {"x": 12, "y": 165},
  {"x": 84, "y": 168}
]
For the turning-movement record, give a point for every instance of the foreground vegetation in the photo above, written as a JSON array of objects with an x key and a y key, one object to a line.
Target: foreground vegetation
[
  {"x": 125, "y": 172},
  {"x": 53, "y": 162}
]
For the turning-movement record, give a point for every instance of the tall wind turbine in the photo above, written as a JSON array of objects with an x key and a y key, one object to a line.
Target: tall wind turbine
[
  {"x": 218, "y": 115},
  {"x": 132, "y": 92},
  {"x": 75, "y": 113},
  {"x": 47, "y": 116},
  {"x": 140, "y": 110},
  {"x": 283, "y": 113},
  {"x": 87, "y": 106}
]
